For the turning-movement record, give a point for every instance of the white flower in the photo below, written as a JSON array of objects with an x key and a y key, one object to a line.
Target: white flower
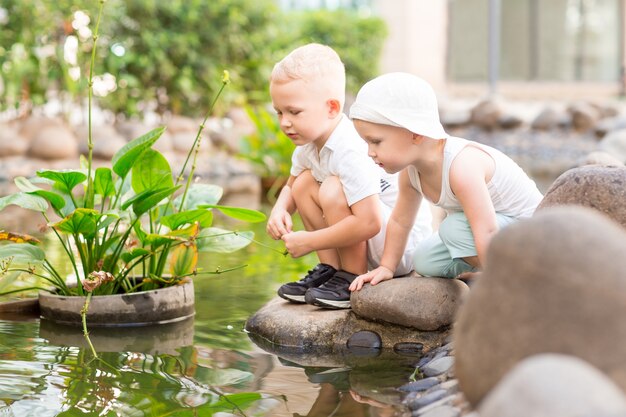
[
  {"x": 70, "y": 50},
  {"x": 104, "y": 84},
  {"x": 81, "y": 20}
]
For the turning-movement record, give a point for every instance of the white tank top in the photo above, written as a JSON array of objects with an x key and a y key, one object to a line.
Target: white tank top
[{"x": 512, "y": 192}]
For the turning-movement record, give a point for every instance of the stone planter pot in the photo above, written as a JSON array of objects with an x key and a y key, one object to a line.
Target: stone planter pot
[{"x": 163, "y": 305}]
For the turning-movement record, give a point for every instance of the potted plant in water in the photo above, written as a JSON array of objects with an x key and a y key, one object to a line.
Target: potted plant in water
[{"x": 130, "y": 228}]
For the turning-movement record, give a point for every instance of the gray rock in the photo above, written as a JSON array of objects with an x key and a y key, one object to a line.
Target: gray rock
[
  {"x": 418, "y": 302},
  {"x": 303, "y": 326},
  {"x": 510, "y": 121},
  {"x": 443, "y": 411},
  {"x": 605, "y": 126},
  {"x": 11, "y": 142},
  {"x": 550, "y": 385},
  {"x": 420, "y": 385},
  {"x": 601, "y": 158},
  {"x": 438, "y": 366},
  {"x": 584, "y": 116},
  {"x": 615, "y": 144},
  {"x": 486, "y": 114},
  {"x": 551, "y": 283},
  {"x": 599, "y": 187},
  {"x": 428, "y": 399},
  {"x": 53, "y": 142},
  {"x": 548, "y": 118}
]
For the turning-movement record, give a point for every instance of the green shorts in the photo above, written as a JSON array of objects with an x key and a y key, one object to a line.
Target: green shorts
[{"x": 441, "y": 254}]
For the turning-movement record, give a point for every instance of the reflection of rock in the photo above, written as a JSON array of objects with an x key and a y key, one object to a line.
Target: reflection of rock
[
  {"x": 346, "y": 368},
  {"x": 162, "y": 338},
  {"x": 552, "y": 283}
]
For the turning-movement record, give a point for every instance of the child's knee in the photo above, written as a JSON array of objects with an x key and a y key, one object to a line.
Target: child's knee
[
  {"x": 303, "y": 182},
  {"x": 452, "y": 225},
  {"x": 331, "y": 193}
]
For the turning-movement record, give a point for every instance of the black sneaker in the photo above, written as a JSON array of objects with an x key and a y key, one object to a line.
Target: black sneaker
[
  {"x": 294, "y": 291},
  {"x": 332, "y": 294}
]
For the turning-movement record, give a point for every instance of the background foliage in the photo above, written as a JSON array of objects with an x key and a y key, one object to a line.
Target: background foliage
[{"x": 168, "y": 53}]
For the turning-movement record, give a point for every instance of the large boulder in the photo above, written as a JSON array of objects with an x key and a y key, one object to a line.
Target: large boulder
[
  {"x": 419, "y": 302},
  {"x": 599, "y": 187},
  {"x": 549, "y": 385},
  {"x": 551, "y": 283}
]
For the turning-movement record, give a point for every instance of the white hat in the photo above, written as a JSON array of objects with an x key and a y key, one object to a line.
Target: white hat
[{"x": 402, "y": 100}]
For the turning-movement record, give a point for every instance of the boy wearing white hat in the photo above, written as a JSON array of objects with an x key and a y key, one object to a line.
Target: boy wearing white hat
[
  {"x": 343, "y": 198},
  {"x": 481, "y": 189}
]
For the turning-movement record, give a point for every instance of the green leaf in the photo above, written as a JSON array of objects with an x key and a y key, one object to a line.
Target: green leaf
[
  {"x": 24, "y": 200},
  {"x": 151, "y": 171},
  {"x": 135, "y": 253},
  {"x": 64, "y": 180},
  {"x": 7, "y": 279},
  {"x": 22, "y": 253},
  {"x": 82, "y": 221},
  {"x": 184, "y": 259},
  {"x": 214, "y": 239},
  {"x": 103, "y": 182},
  {"x": 202, "y": 216},
  {"x": 26, "y": 186},
  {"x": 200, "y": 194},
  {"x": 148, "y": 199},
  {"x": 154, "y": 241},
  {"x": 125, "y": 158},
  {"x": 247, "y": 215}
]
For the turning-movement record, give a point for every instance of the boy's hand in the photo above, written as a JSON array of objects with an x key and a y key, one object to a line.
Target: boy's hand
[
  {"x": 373, "y": 277},
  {"x": 279, "y": 224},
  {"x": 296, "y": 244}
]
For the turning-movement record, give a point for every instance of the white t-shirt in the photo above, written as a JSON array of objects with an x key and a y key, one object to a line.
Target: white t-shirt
[{"x": 344, "y": 155}]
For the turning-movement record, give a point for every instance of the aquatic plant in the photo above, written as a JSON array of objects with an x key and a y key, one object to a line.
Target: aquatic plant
[{"x": 128, "y": 227}]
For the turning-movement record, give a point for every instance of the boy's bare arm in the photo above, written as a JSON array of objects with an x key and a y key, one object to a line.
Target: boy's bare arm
[
  {"x": 469, "y": 174},
  {"x": 279, "y": 222},
  {"x": 398, "y": 228}
]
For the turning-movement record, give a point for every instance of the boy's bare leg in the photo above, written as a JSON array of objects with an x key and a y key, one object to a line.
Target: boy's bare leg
[
  {"x": 334, "y": 206},
  {"x": 306, "y": 192}
]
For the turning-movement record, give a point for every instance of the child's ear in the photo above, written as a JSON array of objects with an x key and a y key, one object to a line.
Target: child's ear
[{"x": 334, "y": 108}]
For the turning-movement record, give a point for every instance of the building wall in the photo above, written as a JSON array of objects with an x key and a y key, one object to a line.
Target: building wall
[{"x": 417, "y": 41}]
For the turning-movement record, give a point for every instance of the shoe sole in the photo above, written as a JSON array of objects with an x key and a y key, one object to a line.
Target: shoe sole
[
  {"x": 293, "y": 298},
  {"x": 331, "y": 303}
]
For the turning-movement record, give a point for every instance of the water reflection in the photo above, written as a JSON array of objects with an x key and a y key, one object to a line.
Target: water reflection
[{"x": 206, "y": 366}]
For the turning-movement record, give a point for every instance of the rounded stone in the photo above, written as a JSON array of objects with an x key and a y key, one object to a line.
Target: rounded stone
[
  {"x": 599, "y": 187},
  {"x": 409, "y": 349},
  {"x": 551, "y": 283},
  {"x": 53, "y": 142},
  {"x": 549, "y": 385},
  {"x": 423, "y": 303},
  {"x": 364, "y": 339}
]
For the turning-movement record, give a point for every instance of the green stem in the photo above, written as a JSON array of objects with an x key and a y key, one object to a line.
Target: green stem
[
  {"x": 23, "y": 289},
  {"x": 89, "y": 194},
  {"x": 65, "y": 248},
  {"x": 83, "y": 314}
]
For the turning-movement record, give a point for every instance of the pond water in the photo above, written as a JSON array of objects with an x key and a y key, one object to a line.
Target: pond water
[{"x": 206, "y": 366}]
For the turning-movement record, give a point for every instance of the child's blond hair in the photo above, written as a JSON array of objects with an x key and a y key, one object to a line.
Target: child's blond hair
[{"x": 316, "y": 64}]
